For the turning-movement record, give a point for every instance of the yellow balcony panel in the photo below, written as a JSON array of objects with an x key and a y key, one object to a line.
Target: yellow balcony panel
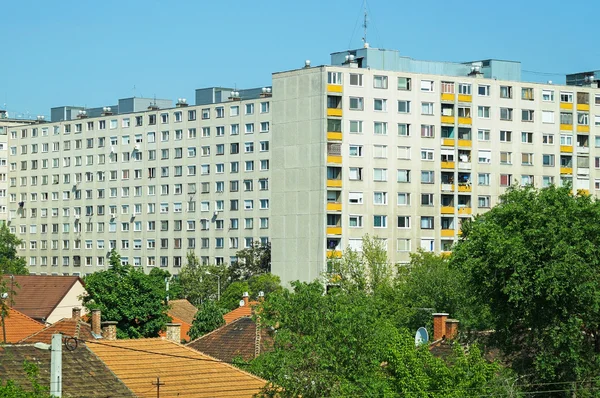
[
  {"x": 334, "y": 230},
  {"x": 465, "y": 98},
  {"x": 447, "y": 119},
  {"x": 334, "y": 207},
  {"x": 447, "y": 165},
  {"x": 447, "y": 233},
  {"x": 334, "y": 88},
  {"x": 583, "y": 192},
  {"x": 334, "y": 159},
  {"x": 464, "y": 211},
  {"x": 464, "y": 188},
  {"x": 465, "y": 143},
  {"x": 447, "y": 97},
  {"x": 566, "y": 148},
  {"x": 334, "y": 112},
  {"x": 566, "y": 127},
  {"x": 583, "y": 129},
  {"x": 465, "y": 120},
  {"x": 334, "y": 136},
  {"x": 566, "y": 170},
  {"x": 583, "y": 107},
  {"x": 334, "y": 253},
  {"x": 448, "y": 142},
  {"x": 447, "y": 210},
  {"x": 445, "y": 253},
  {"x": 566, "y": 106},
  {"x": 334, "y": 183}
]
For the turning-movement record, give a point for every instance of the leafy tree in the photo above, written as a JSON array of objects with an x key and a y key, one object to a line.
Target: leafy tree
[
  {"x": 124, "y": 294},
  {"x": 161, "y": 276},
  {"x": 534, "y": 259},
  {"x": 253, "y": 260},
  {"x": 208, "y": 318},
  {"x": 230, "y": 298},
  {"x": 342, "y": 344},
  {"x": 198, "y": 282},
  {"x": 10, "y": 262},
  {"x": 266, "y": 283}
]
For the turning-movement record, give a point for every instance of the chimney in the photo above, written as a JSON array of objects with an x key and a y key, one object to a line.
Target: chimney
[
  {"x": 439, "y": 325},
  {"x": 96, "y": 317},
  {"x": 245, "y": 299},
  {"x": 174, "y": 332},
  {"x": 261, "y": 296},
  {"x": 76, "y": 313},
  {"x": 451, "y": 328},
  {"x": 109, "y": 330}
]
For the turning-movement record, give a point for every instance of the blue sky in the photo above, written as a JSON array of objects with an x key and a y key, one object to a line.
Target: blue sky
[{"x": 94, "y": 52}]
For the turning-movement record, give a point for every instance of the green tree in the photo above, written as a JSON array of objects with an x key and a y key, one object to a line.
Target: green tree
[
  {"x": 253, "y": 260},
  {"x": 10, "y": 262},
  {"x": 534, "y": 259},
  {"x": 208, "y": 318},
  {"x": 199, "y": 282},
  {"x": 230, "y": 298},
  {"x": 136, "y": 301},
  {"x": 266, "y": 283},
  {"x": 342, "y": 344},
  {"x": 10, "y": 389}
]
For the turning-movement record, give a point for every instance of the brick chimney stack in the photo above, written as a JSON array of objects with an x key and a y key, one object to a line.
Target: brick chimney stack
[
  {"x": 109, "y": 330},
  {"x": 451, "y": 328},
  {"x": 245, "y": 299},
  {"x": 174, "y": 332},
  {"x": 439, "y": 325},
  {"x": 96, "y": 319},
  {"x": 76, "y": 313}
]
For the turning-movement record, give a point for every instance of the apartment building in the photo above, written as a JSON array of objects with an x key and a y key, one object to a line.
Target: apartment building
[
  {"x": 153, "y": 184},
  {"x": 374, "y": 143},
  {"x": 406, "y": 150}
]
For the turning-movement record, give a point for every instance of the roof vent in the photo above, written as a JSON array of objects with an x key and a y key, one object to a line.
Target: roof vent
[
  {"x": 181, "y": 102},
  {"x": 307, "y": 63},
  {"x": 265, "y": 92},
  {"x": 106, "y": 111},
  {"x": 234, "y": 96},
  {"x": 81, "y": 114}
]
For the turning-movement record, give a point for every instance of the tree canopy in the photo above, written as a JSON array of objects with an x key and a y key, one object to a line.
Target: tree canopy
[
  {"x": 135, "y": 300},
  {"x": 208, "y": 318},
  {"x": 534, "y": 261},
  {"x": 10, "y": 262}
]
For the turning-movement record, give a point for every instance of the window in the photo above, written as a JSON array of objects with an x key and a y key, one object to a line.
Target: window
[
  {"x": 527, "y": 159},
  {"x": 548, "y": 160},
  {"x": 403, "y": 130},
  {"x": 547, "y": 117},
  {"x": 505, "y": 157},
  {"x": 484, "y": 156},
  {"x": 380, "y": 82},
  {"x": 380, "y": 198},
  {"x": 427, "y": 177},
  {"x": 426, "y": 222},
  {"x": 427, "y": 131},
  {"x": 566, "y": 96},
  {"x": 427, "y": 108},
  {"x": 355, "y": 173},
  {"x": 483, "y": 112},
  {"x": 356, "y": 79},
  {"x": 403, "y": 175},
  {"x": 483, "y": 135},
  {"x": 527, "y": 138},
  {"x": 505, "y": 136},
  {"x": 249, "y": 109},
  {"x": 356, "y": 103},
  {"x": 427, "y": 86},
  {"x": 403, "y": 199},
  {"x": 448, "y": 87},
  {"x": 527, "y": 115},
  {"x": 483, "y": 179},
  {"x": 380, "y": 104},
  {"x": 506, "y": 113},
  {"x": 505, "y": 92},
  {"x": 403, "y": 152},
  {"x": 355, "y": 198},
  {"x": 464, "y": 88},
  {"x": 505, "y": 180},
  {"x": 548, "y": 139},
  {"x": 403, "y": 106},
  {"x": 404, "y": 222},
  {"x": 356, "y": 127},
  {"x": 379, "y": 221},
  {"x": 404, "y": 83},
  {"x": 380, "y": 128},
  {"x": 427, "y": 154},
  {"x": 566, "y": 118},
  {"x": 483, "y": 90},
  {"x": 355, "y": 221},
  {"x": 566, "y": 139},
  {"x": 583, "y": 118},
  {"x": 380, "y": 151},
  {"x": 379, "y": 174},
  {"x": 483, "y": 202},
  {"x": 426, "y": 199},
  {"x": 356, "y": 150},
  {"x": 548, "y": 95},
  {"x": 527, "y": 93}
]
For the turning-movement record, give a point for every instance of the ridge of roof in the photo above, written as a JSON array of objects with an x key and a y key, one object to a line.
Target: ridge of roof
[{"x": 217, "y": 329}]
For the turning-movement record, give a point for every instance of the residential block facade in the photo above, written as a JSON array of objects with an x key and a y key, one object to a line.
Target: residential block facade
[{"x": 375, "y": 143}]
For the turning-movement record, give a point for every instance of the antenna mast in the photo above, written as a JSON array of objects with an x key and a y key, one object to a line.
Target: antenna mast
[{"x": 365, "y": 26}]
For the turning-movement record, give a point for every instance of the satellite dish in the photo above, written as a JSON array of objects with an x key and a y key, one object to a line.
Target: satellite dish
[{"x": 421, "y": 337}]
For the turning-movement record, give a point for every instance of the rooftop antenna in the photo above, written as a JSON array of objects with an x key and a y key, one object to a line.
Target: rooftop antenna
[{"x": 365, "y": 26}]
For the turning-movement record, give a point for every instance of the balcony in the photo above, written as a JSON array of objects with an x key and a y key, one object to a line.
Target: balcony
[
  {"x": 334, "y": 230},
  {"x": 334, "y": 136},
  {"x": 566, "y": 127},
  {"x": 566, "y": 170},
  {"x": 582, "y": 149},
  {"x": 448, "y": 142},
  {"x": 334, "y": 183},
  {"x": 566, "y": 106},
  {"x": 583, "y": 128},
  {"x": 448, "y": 165},
  {"x": 584, "y": 171},
  {"x": 447, "y": 233},
  {"x": 464, "y": 165},
  {"x": 464, "y": 211},
  {"x": 566, "y": 148},
  {"x": 447, "y": 210},
  {"x": 334, "y": 253},
  {"x": 465, "y": 143},
  {"x": 332, "y": 206},
  {"x": 334, "y": 112},
  {"x": 583, "y": 107},
  {"x": 334, "y": 88},
  {"x": 334, "y": 159},
  {"x": 465, "y": 98},
  {"x": 464, "y": 188},
  {"x": 447, "y": 187},
  {"x": 447, "y": 97},
  {"x": 447, "y": 119},
  {"x": 465, "y": 121}
]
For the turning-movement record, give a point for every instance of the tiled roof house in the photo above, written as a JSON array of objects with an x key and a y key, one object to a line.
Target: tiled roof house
[
  {"x": 182, "y": 312},
  {"x": 18, "y": 326},
  {"x": 72, "y": 327},
  {"x": 245, "y": 309}
]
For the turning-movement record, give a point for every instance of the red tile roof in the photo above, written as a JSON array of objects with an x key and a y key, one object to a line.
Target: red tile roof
[
  {"x": 235, "y": 339},
  {"x": 67, "y": 326},
  {"x": 185, "y": 372},
  {"x": 19, "y": 326},
  {"x": 182, "y": 310},
  {"x": 38, "y": 295},
  {"x": 244, "y": 310}
]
